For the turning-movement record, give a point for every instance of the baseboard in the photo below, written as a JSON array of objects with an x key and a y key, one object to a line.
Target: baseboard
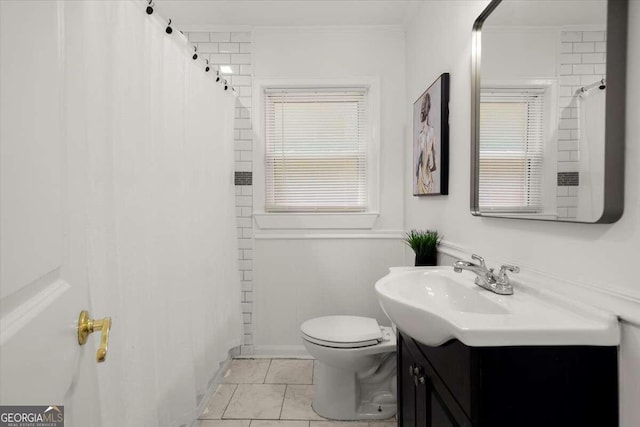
[
  {"x": 277, "y": 352},
  {"x": 234, "y": 353},
  {"x": 621, "y": 302}
]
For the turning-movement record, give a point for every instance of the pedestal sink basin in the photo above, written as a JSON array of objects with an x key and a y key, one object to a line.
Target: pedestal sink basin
[{"x": 435, "y": 304}]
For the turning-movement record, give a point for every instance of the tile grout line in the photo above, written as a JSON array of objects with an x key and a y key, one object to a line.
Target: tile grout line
[
  {"x": 229, "y": 402},
  {"x": 284, "y": 395},
  {"x": 266, "y": 374}
]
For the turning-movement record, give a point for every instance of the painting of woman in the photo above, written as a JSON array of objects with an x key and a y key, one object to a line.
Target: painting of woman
[{"x": 429, "y": 151}]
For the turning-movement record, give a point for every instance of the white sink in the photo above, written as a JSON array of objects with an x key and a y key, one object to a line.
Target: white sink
[{"x": 435, "y": 304}]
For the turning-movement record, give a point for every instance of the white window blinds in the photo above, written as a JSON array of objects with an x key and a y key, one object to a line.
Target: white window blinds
[
  {"x": 511, "y": 149},
  {"x": 316, "y": 150}
]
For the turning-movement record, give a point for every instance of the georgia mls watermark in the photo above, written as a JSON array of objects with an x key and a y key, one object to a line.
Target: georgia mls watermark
[{"x": 31, "y": 416}]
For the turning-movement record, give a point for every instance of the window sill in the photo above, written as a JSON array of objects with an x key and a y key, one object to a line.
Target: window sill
[
  {"x": 525, "y": 215},
  {"x": 315, "y": 221}
]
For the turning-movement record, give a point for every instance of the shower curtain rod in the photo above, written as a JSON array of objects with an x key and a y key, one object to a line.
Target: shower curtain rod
[
  {"x": 169, "y": 30},
  {"x": 602, "y": 83}
]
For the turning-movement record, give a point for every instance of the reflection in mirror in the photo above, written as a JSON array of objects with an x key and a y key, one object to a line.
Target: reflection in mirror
[{"x": 540, "y": 101}]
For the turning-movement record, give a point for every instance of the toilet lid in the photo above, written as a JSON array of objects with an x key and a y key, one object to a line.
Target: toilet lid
[{"x": 341, "y": 330}]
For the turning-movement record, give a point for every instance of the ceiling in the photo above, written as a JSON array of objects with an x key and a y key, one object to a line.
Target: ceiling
[
  {"x": 286, "y": 12},
  {"x": 549, "y": 13}
]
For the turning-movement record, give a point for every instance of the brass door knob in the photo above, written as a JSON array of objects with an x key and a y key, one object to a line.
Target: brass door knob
[{"x": 86, "y": 326}]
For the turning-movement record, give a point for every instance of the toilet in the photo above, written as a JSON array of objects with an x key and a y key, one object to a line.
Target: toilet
[{"x": 356, "y": 376}]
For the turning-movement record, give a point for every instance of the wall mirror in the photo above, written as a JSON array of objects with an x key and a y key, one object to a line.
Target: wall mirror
[{"x": 548, "y": 115}]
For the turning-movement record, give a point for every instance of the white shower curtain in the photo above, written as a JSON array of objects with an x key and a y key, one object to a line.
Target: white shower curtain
[
  {"x": 157, "y": 132},
  {"x": 592, "y": 127}
]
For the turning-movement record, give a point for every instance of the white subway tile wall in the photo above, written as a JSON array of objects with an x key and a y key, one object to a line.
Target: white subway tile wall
[
  {"x": 582, "y": 62},
  {"x": 230, "y": 53}
]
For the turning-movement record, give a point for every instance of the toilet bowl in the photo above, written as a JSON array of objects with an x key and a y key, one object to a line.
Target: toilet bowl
[{"x": 356, "y": 376}]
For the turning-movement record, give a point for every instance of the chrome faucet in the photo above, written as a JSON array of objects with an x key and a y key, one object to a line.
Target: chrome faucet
[{"x": 486, "y": 278}]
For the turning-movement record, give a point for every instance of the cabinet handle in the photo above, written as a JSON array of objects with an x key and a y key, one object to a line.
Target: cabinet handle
[{"x": 418, "y": 375}]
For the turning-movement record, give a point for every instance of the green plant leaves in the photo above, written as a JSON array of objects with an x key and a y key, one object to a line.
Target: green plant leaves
[{"x": 422, "y": 241}]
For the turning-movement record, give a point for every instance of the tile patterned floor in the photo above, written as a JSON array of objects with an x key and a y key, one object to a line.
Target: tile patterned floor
[{"x": 269, "y": 393}]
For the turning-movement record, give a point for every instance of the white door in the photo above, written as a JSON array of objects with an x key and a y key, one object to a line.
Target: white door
[{"x": 43, "y": 268}]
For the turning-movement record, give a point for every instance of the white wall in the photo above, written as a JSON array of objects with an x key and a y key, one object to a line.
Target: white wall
[
  {"x": 438, "y": 40},
  {"x": 516, "y": 54},
  {"x": 300, "y": 277}
]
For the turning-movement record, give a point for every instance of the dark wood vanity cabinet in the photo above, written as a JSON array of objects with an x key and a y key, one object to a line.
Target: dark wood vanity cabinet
[{"x": 543, "y": 386}]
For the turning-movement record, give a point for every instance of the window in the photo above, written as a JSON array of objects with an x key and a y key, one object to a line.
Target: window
[
  {"x": 316, "y": 150},
  {"x": 511, "y": 149}
]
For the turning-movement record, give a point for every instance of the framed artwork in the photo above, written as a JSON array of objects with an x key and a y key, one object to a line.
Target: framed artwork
[{"x": 431, "y": 140}]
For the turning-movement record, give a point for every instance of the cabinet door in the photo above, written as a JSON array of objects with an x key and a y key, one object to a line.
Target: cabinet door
[
  {"x": 439, "y": 415},
  {"x": 406, "y": 387},
  {"x": 420, "y": 405},
  {"x": 431, "y": 411}
]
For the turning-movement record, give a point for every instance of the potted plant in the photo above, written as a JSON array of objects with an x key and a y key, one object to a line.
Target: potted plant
[{"x": 425, "y": 244}]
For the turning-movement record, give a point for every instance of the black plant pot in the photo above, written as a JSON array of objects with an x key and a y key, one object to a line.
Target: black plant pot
[{"x": 427, "y": 259}]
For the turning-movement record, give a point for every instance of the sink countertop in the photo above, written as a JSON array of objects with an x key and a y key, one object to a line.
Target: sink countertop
[{"x": 435, "y": 304}]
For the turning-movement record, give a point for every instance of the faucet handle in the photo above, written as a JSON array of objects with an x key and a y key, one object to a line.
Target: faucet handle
[
  {"x": 511, "y": 268},
  {"x": 479, "y": 259},
  {"x": 503, "y": 282},
  {"x": 503, "y": 279}
]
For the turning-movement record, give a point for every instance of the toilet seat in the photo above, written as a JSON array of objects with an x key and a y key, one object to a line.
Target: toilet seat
[
  {"x": 342, "y": 331},
  {"x": 340, "y": 345}
]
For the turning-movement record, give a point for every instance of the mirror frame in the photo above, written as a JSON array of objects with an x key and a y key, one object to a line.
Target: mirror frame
[{"x": 617, "y": 18}]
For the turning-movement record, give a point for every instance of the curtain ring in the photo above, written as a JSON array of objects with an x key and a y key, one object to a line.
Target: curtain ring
[
  {"x": 207, "y": 68},
  {"x": 195, "y": 53},
  {"x": 169, "y": 30},
  {"x": 150, "y": 7}
]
